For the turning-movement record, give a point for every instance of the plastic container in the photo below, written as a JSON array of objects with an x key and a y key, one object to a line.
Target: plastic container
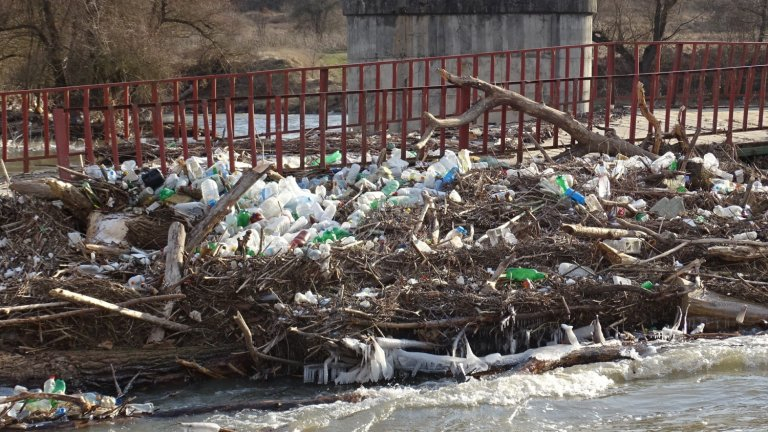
[
  {"x": 577, "y": 197},
  {"x": 465, "y": 161},
  {"x": 210, "y": 191},
  {"x": 300, "y": 239},
  {"x": 49, "y": 384},
  {"x": 451, "y": 175},
  {"x": 129, "y": 170},
  {"x": 593, "y": 204},
  {"x": 243, "y": 219},
  {"x": 390, "y": 187},
  {"x": 629, "y": 245},
  {"x": 354, "y": 170},
  {"x": 165, "y": 193},
  {"x": 603, "y": 186},
  {"x": 194, "y": 170},
  {"x": 519, "y": 274},
  {"x": 733, "y": 211},
  {"x": 663, "y": 162}
]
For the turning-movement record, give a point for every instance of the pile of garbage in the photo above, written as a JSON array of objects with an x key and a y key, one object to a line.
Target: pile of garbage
[
  {"x": 401, "y": 262},
  {"x": 51, "y": 406}
]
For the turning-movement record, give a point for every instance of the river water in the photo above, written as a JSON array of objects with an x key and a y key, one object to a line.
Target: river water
[{"x": 693, "y": 386}]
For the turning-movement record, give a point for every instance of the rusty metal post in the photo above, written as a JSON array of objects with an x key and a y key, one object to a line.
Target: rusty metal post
[{"x": 62, "y": 142}]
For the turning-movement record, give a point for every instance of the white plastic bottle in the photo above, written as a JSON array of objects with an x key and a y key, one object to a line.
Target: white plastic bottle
[
  {"x": 210, "y": 191},
  {"x": 194, "y": 169}
]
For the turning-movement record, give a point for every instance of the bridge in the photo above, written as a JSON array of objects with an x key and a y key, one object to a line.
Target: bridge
[{"x": 297, "y": 117}]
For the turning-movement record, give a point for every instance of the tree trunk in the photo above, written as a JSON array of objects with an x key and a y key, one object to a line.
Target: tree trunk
[{"x": 89, "y": 368}]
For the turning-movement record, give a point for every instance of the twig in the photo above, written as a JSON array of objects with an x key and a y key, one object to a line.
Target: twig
[
  {"x": 68, "y": 314},
  {"x": 538, "y": 146},
  {"x": 199, "y": 368},
  {"x": 255, "y": 354},
  {"x": 143, "y": 316},
  {"x": 662, "y": 255}
]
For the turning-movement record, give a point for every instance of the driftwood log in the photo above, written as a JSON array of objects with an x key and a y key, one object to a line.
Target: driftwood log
[
  {"x": 90, "y": 368},
  {"x": 111, "y": 307},
  {"x": 174, "y": 265},
  {"x": 587, "y": 140}
]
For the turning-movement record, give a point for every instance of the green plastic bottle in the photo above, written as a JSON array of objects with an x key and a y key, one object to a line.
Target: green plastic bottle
[
  {"x": 390, "y": 187},
  {"x": 60, "y": 386},
  {"x": 166, "y": 193},
  {"x": 519, "y": 274},
  {"x": 243, "y": 219},
  {"x": 330, "y": 159},
  {"x": 561, "y": 182},
  {"x": 647, "y": 285},
  {"x": 332, "y": 234}
]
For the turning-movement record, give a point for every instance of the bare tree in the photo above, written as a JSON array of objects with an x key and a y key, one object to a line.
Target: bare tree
[
  {"x": 643, "y": 20},
  {"x": 753, "y": 14},
  {"x": 60, "y": 43}
]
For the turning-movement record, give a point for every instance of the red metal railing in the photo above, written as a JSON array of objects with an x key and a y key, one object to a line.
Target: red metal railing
[{"x": 307, "y": 112}]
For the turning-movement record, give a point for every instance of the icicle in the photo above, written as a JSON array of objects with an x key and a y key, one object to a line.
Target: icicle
[
  {"x": 569, "y": 334},
  {"x": 597, "y": 331}
]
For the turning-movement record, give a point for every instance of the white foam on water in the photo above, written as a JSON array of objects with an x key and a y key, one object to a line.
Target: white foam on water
[{"x": 509, "y": 391}]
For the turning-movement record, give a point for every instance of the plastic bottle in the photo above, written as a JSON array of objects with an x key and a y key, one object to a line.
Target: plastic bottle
[
  {"x": 662, "y": 162},
  {"x": 451, "y": 175},
  {"x": 749, "y": 235},
  {"x": 647, "y": 285},
  {"x": 456, "y": 232},
  {"x": 354, "y": 170},
  {"x": 243, "y": 219},
  {"x": 593, "y": 204},
  {"x": 733, "y": 211},
  {"x": 561, "y": 182},
  {"x": 330, "y": 159},
  {"x": 49, "y": 384},
  {"x": 519, "y": 274},
  {"x": 165, "y": 193},
  {"x": 465, "y": 161},
  {"x": 577, "y": 197},
  {"x": 603, "y": 182},
  {"x": 390, "y": 187},
  {"x": 60, "y": 387},
  {"x": 411, "y": 174},
  {"x": 194, "y": 170},
  {"x": 300, "y": 239},
  {"x": 210, "y": 191}
]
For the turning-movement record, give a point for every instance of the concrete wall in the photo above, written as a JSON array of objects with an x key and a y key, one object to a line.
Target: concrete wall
[{"x": 394, "y": 29}]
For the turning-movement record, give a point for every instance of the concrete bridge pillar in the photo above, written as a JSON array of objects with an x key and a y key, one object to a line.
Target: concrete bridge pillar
[{"x": 395, "y": 29}]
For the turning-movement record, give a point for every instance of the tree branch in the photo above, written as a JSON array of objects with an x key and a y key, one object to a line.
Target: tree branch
[{"x": 587, "y": 140}]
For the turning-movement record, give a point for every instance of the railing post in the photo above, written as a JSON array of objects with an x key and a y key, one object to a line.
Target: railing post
[
  {"x": 62, "y": 142},
  {"x": 633, "y": 102},
  {"x": 323, "y": 113},
  {"x": 464, "y": 99}
]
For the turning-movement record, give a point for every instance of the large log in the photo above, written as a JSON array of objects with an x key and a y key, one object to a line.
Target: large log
[
  {"x": 585, "y": 355},
  {"x": 587, "y": 141},
  {"x": 94, "y": 367},
  {"x": 53, "y": 189},
  {"x": 728, "y": 311}
]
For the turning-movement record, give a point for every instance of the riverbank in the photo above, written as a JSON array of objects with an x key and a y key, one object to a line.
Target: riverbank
[{"x": 411, "y": 284}]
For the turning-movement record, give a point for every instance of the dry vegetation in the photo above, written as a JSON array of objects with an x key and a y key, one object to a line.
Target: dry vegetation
[{"x": 46, "y": 43}]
